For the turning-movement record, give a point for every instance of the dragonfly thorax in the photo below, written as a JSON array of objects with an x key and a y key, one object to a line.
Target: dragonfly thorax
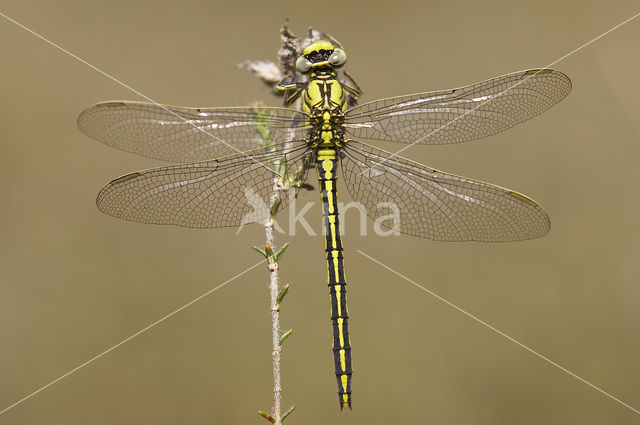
[{"x": 324, "y": 101}]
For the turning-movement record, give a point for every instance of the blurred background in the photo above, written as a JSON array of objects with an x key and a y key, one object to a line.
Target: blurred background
[{"x": 74, "y": 282}]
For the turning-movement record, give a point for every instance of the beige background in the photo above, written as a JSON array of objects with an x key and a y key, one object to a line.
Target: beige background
[{"x": 74, "y": 282}]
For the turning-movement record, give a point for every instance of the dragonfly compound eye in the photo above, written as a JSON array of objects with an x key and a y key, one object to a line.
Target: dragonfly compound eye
[
  {"x": 339, "y": 57},
  {"x": 303, "y": 64}
]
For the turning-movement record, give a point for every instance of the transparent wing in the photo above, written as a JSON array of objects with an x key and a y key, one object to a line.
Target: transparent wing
[
  {"x": 460, "y": 115},
  {"x": 182, "y": 134},
  {"x": 436, "y": 205},
  {"x": 229, "y": 191}
]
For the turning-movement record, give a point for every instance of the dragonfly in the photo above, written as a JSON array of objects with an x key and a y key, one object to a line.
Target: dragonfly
[{"x": 228, "y": 155}]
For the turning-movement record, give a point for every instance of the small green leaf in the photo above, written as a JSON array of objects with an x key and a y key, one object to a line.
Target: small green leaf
[
  {"x": 288, "y": 412},
  {"x": 285, "y": 336},
  {"x": 268, "y": 251},
  {"x": 256, "y": 249},
  {"x": 270, "y": 258},
  {"x": 265, "y": 133},
  {"x": 261, "y": 120},
  {"x": 281, "y": 250},
  {"x": 283, "y": 167},
  {"x": 274, "y": 207},
  {"x": 306, "y": 186},
  {"x": 282, "y": 293},
  {"x": 266, "y": 416}
]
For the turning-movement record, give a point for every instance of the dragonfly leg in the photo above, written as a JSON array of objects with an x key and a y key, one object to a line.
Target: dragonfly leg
[
  {"x": 352, "y": 87},
  {"x": 292, "y": 89}
]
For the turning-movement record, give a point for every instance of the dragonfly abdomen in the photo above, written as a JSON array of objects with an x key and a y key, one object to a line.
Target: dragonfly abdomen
[{"x": 327, "y": 163}]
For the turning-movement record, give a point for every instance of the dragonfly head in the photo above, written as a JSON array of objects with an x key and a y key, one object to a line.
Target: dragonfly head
[{"x": 320, "y": 54}]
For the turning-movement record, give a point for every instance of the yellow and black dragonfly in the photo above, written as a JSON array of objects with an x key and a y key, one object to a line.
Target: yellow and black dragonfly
[{"x": 229, "y": 155}]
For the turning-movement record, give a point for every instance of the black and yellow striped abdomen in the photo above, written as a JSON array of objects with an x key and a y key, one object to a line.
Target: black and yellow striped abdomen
[{"x": 327, "y": 163}]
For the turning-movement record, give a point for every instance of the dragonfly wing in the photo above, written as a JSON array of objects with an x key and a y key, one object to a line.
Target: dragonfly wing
[
  {"x": 182, "y": 134},
  {"x": 437, "y": 205},
  {"x": 229, "y": 191},
  {"x": 460, "y": 115}
]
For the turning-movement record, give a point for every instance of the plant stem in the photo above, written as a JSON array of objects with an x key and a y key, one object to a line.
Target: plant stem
[{"x": 274, "y": 289}]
